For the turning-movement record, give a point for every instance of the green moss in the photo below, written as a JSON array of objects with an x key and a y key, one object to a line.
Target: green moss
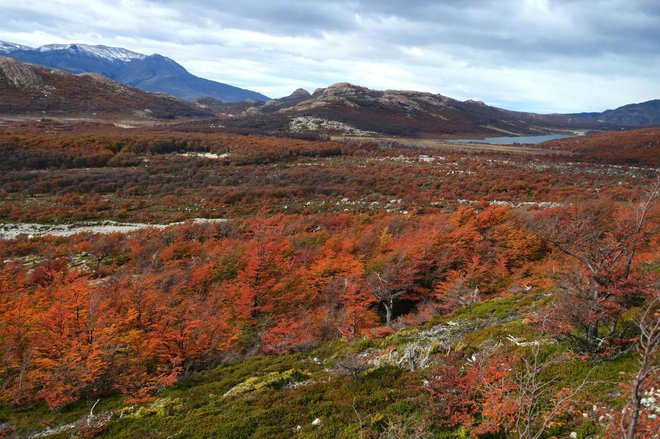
[
  {"x": 517, "y": 328},
  {"x": 363, "y": 344},
  {"x": 273, "y": 410},
  {"x": 589, "y": 430},
  {"x": 402, "y": 408},
  {"x": 502, "y": 306}
]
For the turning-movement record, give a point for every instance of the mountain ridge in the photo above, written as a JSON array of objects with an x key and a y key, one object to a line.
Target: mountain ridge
[
  {"x": 348, "y": 109},
  {"x": 154, "y": 73},
  {"x": 634, "y": 115}
]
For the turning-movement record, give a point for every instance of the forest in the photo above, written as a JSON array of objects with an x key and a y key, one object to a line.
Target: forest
[{"x": 351, "y": 290}]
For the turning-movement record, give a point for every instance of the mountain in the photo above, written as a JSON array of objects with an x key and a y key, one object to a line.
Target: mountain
[
  {"x": 347, "y": 109},
  {"x": 34, "y": 90},
  {"x": 633, "y": 115},
  {"x": 154, "y": 73},
  {"x": 6, "y": 47}
]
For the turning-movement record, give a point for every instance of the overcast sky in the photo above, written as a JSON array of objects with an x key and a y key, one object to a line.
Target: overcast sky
[{"x": 533, "y": 55}]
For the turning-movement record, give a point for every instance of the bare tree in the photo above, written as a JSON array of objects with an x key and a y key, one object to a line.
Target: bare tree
[
  {"x": 534, "y": 390},
  {"x": 649, "y": 350},
  {"x": 390, "y": 283},
  {"x": 603, "y": 242}
]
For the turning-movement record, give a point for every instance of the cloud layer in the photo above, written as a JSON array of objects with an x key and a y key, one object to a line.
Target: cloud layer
[{"x": 537, "y": 55}]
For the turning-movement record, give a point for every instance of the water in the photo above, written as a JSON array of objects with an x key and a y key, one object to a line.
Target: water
[{"x": 511, "y": 140}]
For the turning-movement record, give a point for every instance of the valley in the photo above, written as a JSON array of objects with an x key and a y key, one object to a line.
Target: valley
[
  {"x": 183, "y": 258},
  {"x": 182, "y": 279}
]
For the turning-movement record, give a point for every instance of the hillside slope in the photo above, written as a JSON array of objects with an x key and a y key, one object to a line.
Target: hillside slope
[
  {"x": 27, "y": 89},
  {"x": 369, "y": 387},
  {"x": 641, "y": 147}
]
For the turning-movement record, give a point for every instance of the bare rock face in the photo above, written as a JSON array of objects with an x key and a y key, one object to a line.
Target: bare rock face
[
  {"x": 18, "y": 74},
  {"x": 300, "y": 93},
  {"x": 396, "y": 101},
  {"x": 273, "y": 105},
  {"x": 345, "y": 89}
]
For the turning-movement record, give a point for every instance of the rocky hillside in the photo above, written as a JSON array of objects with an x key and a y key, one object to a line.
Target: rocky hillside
[
  {"x": 346, "y": 109},
  {"x": 26, "y": 89}
]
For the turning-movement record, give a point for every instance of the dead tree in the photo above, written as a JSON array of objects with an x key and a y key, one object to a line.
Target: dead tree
[{"x": 648, "y": 348}]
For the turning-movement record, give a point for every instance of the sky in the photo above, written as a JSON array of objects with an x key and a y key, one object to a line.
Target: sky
[{"x": 530, "y": 55}]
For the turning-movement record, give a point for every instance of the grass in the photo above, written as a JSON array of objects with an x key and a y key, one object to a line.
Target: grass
[
  {"x": 201, "y": 411},
  {"x": 41, "y": 417}
]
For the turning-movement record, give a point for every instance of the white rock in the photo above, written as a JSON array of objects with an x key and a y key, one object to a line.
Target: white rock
[
  {"x": 316, "y": 422},
  {"x": 573, "y": 435}
]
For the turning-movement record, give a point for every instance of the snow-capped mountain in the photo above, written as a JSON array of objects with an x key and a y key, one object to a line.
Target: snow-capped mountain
[
  {"x": 154, "y": 73},
  {"x": 105, "y": 52},
  {"x": 6, "y": 47}
]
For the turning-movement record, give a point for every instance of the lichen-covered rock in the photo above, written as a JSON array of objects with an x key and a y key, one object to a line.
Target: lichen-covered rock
[
  {"x": 160, "y": 407},
  {"x": 273, "y": 380}
]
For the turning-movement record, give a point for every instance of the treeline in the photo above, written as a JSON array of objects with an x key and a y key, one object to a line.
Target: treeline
[{"x": 29, "y": 151}]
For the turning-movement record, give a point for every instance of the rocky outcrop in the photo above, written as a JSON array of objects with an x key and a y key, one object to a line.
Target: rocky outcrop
[
  {"x": 397, "y": 112},
  {"x": 19, "y": 74}
]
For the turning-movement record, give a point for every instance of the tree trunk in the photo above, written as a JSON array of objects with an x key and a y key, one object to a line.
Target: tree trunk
[
  {"x": 592, "y": 334},
  {"x": 592, "y": 330},
  {"x": 634, "y": 414},
  {"x": 389, "y": 305}
]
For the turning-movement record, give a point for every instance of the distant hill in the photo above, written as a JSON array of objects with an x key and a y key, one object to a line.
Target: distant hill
[
  {"x": 154, "y": 73},
  {"x": 347, "y": 109},
  {"x": 633, "y": 115},
  {"x": 637, "y": 147},
  {"x": 26, "y": 89}
]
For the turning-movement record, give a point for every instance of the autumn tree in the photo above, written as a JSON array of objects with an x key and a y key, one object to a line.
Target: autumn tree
[
  {"x": 492, "y": 393},
  {"x": 338, "y": 279},
  {"x": 17, "y": 321},
  {"x": 101, "y": 248},
  {"x": 270, "y": 286},
  {"x": 601, "y": 241},
  {"x": 461, "y": 288}
]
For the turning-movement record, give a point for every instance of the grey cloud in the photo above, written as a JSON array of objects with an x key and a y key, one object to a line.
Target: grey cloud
[{"x": 455, "y": 45}]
